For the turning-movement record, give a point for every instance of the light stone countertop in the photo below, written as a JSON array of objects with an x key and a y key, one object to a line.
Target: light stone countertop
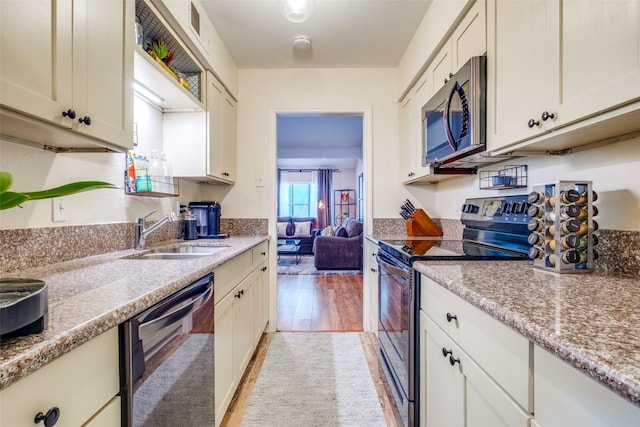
[
  {"x": 89, "y": 296},
  {"x": 591, "y": 321}
]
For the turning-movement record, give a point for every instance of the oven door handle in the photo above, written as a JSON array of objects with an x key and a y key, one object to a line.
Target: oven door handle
[
  {"x": 393, "y": 269},
  {"x": 153, "y": 325}
]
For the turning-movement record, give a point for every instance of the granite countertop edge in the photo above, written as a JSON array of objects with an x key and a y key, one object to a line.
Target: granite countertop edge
[
  {"x": 588, "y": 360},
  {"x": 114, "y": 295}
]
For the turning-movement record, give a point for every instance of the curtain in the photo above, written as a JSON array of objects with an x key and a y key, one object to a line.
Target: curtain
[{"x": 324, "y": 193}]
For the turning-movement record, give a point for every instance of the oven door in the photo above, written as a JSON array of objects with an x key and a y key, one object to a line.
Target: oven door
[{"x": 395, "y": 329}]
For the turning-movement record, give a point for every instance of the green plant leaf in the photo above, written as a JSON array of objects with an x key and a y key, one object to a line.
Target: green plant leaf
[
  {"x": 9, "y": 199},
  {"x": 65, "y": 190},
  {"x": 6, "y": 180}
]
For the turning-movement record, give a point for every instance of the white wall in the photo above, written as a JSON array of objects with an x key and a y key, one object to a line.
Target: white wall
[
  {"x": 613, "y": 169},
  {"x": 266, "y": 91},
  {"x": 35, "y": 169}
]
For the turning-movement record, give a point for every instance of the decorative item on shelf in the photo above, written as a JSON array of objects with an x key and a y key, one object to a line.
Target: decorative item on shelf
[
  {"x": 153, "y": 179},
  {"x": 159, "y": 50},
  {"x": 345, "y": 196},
  {"x": 509, "y": 177},
  {"x": 562, "y": 226},
  {"x": 418, "y": 222}
]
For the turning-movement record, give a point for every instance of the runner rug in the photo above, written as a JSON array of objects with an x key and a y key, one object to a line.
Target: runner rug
[
  {"x": 305, "y": 266},
  {"x": 314, "y": 379}
]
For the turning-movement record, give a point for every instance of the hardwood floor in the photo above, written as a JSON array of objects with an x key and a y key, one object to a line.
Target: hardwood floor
[
  {"x": 316, "y": 303},
  {"x": 320, "y": 302}
]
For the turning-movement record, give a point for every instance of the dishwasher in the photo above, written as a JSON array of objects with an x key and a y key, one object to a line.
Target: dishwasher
[{"x": 167, "y": 361}]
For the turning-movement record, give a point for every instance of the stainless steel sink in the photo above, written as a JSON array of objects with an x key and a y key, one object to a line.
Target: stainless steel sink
[{"x": 179, "y": 252}]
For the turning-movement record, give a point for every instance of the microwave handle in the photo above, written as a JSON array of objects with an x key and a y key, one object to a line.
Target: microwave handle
[{"x": 447, "y": 107}]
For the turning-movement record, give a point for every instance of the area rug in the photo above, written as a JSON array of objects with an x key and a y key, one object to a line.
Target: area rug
[
  {"x": 314, "y": 379},
  {"x": 287, "y": 265}
]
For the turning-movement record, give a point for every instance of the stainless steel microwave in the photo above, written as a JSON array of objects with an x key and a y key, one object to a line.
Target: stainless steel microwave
[{"x": 454, "y": 119}]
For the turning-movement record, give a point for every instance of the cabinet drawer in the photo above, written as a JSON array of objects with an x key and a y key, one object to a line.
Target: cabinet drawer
[
  {"x": 229, "y": 274},
  {"x": 79, "y": 383},
  {"x": 503, "y": 353},
  {"x": 109, "y": 416},
  {"x": 260, "y": 254}
]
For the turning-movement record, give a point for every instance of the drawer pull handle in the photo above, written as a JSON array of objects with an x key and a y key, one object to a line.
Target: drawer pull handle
[
  {"x": 446, "y": 352},
  {"x": 264, "y": 269},
  {"x": 373, "y": 270},
  {"x": 453, "y": 361},
  {"x": 50, "y": 418},
  {"x": 451, "y": 317},
  {"x": 239, "y": 294},
  {"x": 263, "y": 253}
]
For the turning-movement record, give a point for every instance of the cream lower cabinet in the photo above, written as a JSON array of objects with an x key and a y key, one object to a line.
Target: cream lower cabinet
[
  {"x": 76, "y": 73},
  {"x": 474, "y": 371},
  {"x": 457, "y": 392},
  {"x": 554, "y": 63},
  {"x": 566, "y": 397},
  {"x": 241, "y": 315},
  {"x": 370, "y": 290},
  {"x": 82, "y": 384}
]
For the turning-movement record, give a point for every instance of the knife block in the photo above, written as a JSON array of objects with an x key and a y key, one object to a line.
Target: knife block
[{"x": 421, "y": 224}]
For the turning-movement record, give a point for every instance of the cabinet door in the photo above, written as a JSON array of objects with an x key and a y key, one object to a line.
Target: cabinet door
[
  {"x": 228, "y": 142},
  {"x": 35, "y": 58},
  {"x": 243, "y": 322},
  {"x": 103, "y": 69},
  {"x": 260, "y": 302},
  {"x": 564, "y": 396},
  {"x": 593, "y": 49},
  {"x": 441, "y": 385},
  {"x": 440, "y": 69},
  {"x": 470, "y": 37},
  {"x": 407, "y": 139},
  {"x": 516, "y": 70},
  {"x": 215, "y": 99},
  {"x": 226, "y": 382}
]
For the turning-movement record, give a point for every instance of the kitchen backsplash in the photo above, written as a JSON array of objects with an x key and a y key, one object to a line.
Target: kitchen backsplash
[
  {"x": 619, "y": 251},
  {"x": 32, "y": 247}
]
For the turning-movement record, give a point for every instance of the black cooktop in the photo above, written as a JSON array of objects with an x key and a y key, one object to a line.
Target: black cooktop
[{"x": 447, "y": 250}]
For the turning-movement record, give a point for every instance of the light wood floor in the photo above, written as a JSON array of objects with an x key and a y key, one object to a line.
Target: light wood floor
[{"x": 316, "y": 303}]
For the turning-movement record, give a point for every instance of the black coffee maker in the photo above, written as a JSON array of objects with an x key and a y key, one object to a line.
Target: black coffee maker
[{"x": 207, "y": 219}]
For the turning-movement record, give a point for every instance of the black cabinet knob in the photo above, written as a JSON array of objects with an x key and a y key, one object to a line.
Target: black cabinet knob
[
  {"x": 263, "y": 253},
  {"x": 50, "y": 418},
  {"x": 264, "y": 269},
  {"x": 450, "y": 75},
  {"x": 69, "y": 113},
  {"x": 546, "y": 116},
  {"x": 451, "y": 317},
  {"x": 533, "y": 123},
  {"x": 453, "y": 360},
  {"x": 446, "y": 352},
  {"x": 86, "y": 120},
  {"x": 373, "y": 270}
]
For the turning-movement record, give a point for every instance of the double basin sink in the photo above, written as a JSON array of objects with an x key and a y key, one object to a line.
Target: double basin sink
[{"x": 178, "y": 252}]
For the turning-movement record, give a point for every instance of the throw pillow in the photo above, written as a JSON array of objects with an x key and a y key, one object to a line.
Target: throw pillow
[
  {"x": 328, "y": 231},
  {"x": 282, "y": 229},
  {"x": 291, "y": 229},
  {"x": 340, "y": 231},
  {"x": 303, "y": 229}
]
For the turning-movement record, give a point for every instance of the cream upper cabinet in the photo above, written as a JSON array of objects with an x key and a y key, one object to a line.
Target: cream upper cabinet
[
  {"x": 77, "y": 72},
  {"x": 555, "y": 63},
  {"x": 202, "y": 145}
]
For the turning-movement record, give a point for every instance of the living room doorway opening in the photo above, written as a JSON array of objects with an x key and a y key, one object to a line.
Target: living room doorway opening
[{"x": 320, "y": 212}]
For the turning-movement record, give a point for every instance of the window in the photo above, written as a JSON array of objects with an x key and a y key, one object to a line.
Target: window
[{"x": 298, "y": 194}]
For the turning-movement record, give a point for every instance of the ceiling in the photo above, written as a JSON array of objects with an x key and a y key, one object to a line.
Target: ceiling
[{"x": 343, "y": 33}]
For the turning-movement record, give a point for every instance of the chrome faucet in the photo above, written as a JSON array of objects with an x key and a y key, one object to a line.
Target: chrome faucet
[{"x": 142, "y": 232}]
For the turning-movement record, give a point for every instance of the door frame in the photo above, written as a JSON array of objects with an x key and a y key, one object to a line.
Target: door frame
[{"x": 367, "y": 161}]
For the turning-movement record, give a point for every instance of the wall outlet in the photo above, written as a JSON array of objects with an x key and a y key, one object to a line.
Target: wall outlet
[{"x": 59, "y": 209}]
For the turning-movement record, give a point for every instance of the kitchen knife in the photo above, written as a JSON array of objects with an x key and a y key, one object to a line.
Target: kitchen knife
[
  {"x": 405, "y": 215},
  {"x": 413, "y": 208}
]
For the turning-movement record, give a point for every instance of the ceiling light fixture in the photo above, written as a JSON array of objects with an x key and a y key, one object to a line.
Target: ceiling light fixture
[
  {"x": 297, "y": 10},
  {"x": 301, "y": 43}
]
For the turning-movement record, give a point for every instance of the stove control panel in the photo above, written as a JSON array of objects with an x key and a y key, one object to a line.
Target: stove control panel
[{"x": 496, "y": 209}]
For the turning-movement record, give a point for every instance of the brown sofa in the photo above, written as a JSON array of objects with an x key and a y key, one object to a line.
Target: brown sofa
[{"x": 343, "y": 251}]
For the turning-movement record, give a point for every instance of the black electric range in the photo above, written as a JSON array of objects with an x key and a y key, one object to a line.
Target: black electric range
[{"x": 495, "y": 228}]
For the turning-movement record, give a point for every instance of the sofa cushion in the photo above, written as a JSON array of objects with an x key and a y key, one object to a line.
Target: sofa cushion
[
  {"x": 328, "y": 231},
  {"x": 291, "y": 229},
  {"x": 340, "y": 231},
  {"x": 302, "y": 229},
  {"x": 282, "y": 229},
  {"x": 353, "y": 227}
]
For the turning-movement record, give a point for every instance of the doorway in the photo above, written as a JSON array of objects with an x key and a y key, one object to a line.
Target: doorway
[{"x": 307, "y": 141}]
